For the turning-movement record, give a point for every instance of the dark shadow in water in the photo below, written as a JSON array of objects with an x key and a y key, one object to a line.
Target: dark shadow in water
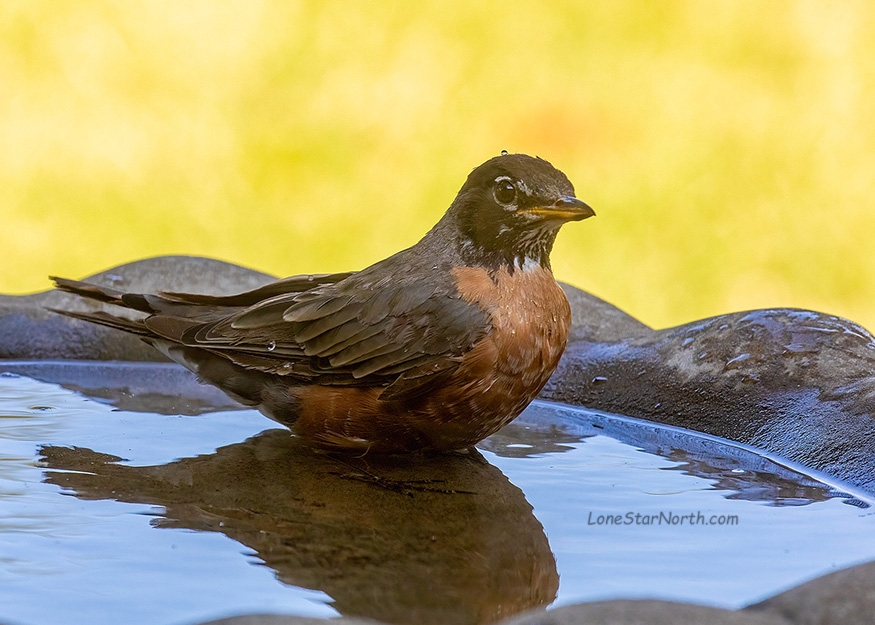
[
  {"x": 162, "y": 388},
  {"x": 414, "y": 539}
]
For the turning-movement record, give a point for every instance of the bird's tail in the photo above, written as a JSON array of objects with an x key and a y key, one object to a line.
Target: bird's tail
[
  {"x": 133, "y": 326},
  {"x": 168, "y": 305},
  {"x": 247, "y": 387},
  {"x": 109, "y": 296},
  {"x": 134, "y": 301}
]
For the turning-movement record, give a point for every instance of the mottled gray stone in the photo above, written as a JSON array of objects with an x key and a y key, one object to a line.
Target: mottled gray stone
[
  {"x": 643, "y": 612},
  {"x": 840, "y": 598},
  {"x": 597, "y": 321}
]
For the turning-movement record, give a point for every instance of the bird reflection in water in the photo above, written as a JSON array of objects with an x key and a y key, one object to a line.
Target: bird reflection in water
[{"x": 432, "y": 539}]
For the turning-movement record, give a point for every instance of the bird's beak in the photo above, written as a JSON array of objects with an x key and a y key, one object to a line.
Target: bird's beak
[{"x": 566, "y": 208}]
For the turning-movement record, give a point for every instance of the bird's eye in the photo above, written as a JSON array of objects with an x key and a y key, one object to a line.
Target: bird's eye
[{"x": 505, "y": 191}]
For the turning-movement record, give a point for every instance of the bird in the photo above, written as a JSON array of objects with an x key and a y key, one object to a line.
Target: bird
[{"x": 433, "y": 348}]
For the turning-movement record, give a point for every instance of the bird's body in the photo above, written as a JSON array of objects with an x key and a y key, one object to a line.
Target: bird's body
[{"x": 435, "y": 347}]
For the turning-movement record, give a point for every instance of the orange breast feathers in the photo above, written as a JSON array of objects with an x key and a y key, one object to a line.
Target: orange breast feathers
[{"x": 530, "y": 317}]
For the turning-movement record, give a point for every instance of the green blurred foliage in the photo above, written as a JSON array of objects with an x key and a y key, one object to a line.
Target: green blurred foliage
[{"x": 727, "y": 147}]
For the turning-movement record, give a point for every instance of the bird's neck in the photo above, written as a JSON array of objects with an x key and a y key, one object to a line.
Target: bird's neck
[
  {"x": 498, "y": 257},
  {"x": 509, "y": 250}
]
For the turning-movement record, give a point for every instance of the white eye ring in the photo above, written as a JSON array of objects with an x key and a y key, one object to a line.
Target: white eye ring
[{"x": 504, "y": 190}]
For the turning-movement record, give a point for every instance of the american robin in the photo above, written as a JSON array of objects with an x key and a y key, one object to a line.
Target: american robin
[{"x": 435, "y": 347}]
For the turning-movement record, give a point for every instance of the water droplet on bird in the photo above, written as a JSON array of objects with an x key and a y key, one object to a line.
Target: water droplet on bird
[
  {"x": 310, "y": 278},
  {"x": 271, "y": 346},
  {"x": 504, "y": 152}
]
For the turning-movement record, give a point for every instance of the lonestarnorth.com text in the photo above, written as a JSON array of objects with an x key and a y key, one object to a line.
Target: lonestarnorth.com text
[{"x": 662, "y": 518}]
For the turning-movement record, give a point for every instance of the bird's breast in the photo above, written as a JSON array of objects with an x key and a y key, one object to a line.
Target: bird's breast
[{"x": 530, "y": 318}]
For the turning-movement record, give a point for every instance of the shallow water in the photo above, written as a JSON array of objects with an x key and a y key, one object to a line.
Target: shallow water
[{"x": 112, "y": 511}]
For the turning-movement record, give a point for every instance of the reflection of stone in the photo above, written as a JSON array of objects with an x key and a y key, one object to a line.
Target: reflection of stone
[
  {"x": 742, "y": 474},
  {"x": 737, "y": 471},
  {"x": 443, "y": 539},
  {"x": 160, "y": 387},
  {"x": 796, "y": 383},
  {"x": 751, "y": 484}
]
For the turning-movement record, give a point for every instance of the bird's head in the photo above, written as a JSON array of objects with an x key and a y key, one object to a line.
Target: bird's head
[{"x": 510, "y": 209}]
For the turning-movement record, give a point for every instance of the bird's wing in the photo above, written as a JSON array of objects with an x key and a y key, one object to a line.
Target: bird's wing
[{"x": 401, "y": 334}]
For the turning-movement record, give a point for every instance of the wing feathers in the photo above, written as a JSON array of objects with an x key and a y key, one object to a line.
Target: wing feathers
[
  {"x": 363, "y": 350},
  {"x": 373, "y": 364},
  {"x": 293, "y": 284},
  {"x": 314, "y": 328},
  {"x": 404, "y": 334},
  {"x": 333, "y": 341},
  {"x": 267, "y": 313},
  {"x": 315, "y": 309}
]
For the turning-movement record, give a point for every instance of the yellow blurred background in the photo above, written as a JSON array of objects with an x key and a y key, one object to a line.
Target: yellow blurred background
[{"x": 727, "y": 147}]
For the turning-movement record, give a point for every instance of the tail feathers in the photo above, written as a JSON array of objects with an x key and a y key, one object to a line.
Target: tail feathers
[
  {"x": 167, "y": 319},
  {"x": 91, "y": 291},
  {"x": 133, "y": 326},
  {"x": 146, "y": 303},
  {"x": 245, "y": 386},
  {"x": 104, "y": 294}
]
